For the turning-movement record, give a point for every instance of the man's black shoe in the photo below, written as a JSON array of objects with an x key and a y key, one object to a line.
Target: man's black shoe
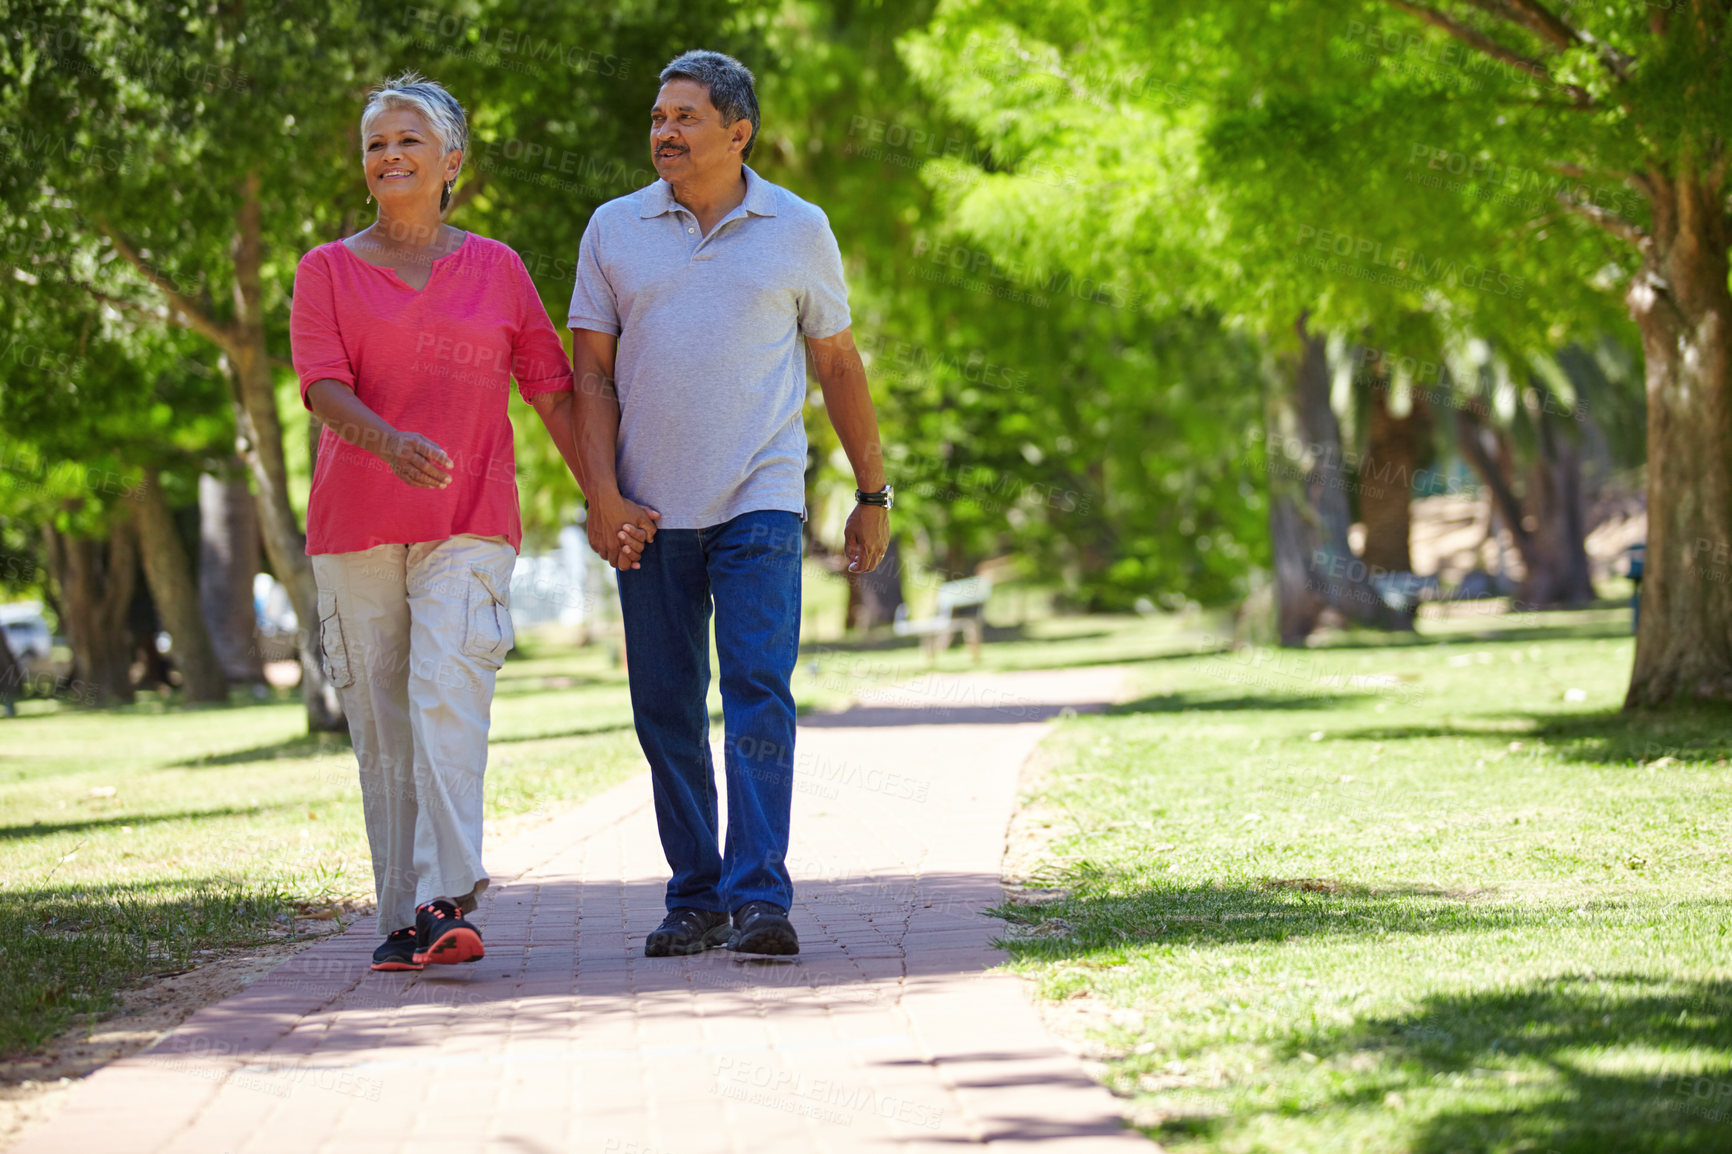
[
  {"x": 763, "y": 928},
  {"x": 687, "y": 931}
]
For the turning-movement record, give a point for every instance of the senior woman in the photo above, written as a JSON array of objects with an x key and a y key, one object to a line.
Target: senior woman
[{"x": 406, "y": 337}]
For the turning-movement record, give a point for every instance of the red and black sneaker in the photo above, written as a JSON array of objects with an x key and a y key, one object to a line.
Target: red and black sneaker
[
  {"x": 443, "y": 937},
  {"x": 397, "y": 951}
]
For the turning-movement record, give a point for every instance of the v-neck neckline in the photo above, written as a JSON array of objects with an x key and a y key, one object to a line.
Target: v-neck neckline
[{"x": 433, "y": 266}]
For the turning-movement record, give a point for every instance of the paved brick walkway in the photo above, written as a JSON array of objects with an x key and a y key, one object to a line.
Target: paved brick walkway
[{"x": 884, "y": 1034}]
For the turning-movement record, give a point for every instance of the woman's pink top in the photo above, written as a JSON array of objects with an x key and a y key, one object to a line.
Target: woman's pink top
[{"x": 438, "y": 362}]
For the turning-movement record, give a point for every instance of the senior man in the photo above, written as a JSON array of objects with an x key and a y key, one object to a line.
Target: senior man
[{"x": 696, "y": 301}]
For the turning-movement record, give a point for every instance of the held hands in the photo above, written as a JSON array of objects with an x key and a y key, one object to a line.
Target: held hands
[
  {"x": 417, "y": 460},
  {"x": 866, "y": 537},
  {"x": 620, "y": 529}
]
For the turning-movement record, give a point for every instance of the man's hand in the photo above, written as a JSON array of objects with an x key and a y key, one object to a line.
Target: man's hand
[
  {"x": 417, "y": 460},
  {"x": 620, "y": 529},
  {"x": 866, "y": 537}
]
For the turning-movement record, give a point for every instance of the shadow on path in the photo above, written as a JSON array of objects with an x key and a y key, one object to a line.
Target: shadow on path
[
  {"x": 861, "y": 939},
  {"x": 882, "y": 716}
]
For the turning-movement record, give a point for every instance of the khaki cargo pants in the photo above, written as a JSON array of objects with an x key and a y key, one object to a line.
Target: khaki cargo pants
[{"x": 413, "y": 636}]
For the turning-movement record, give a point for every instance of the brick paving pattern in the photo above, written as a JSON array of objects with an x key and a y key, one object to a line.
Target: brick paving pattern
[{"x": 885, "y": 1033}]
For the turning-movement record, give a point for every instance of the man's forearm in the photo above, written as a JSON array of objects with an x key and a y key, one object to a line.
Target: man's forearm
[
  {"x": 849, "y": 403},
  {"x": 595, "y": 415},
  {"x": 556, "y": 412}
]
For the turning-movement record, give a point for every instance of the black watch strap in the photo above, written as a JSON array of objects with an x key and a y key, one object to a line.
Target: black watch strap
[{"x": 883, "y": 498}]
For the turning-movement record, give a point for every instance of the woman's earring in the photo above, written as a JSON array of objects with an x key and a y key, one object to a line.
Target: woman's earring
[{"x": 369, "y": 198}]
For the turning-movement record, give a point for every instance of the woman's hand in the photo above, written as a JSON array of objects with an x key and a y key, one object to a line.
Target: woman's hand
[
  {"x": 414, "y": 458},
  {"x": 417, "y": 460}
]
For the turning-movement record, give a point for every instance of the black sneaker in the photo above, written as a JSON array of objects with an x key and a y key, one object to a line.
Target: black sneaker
[
  {"x": 763, "y": 928},
  {"x": 397, "y": 951},
  {"x": 443, "y": 937},
  {"x": 687, "y": 931}
]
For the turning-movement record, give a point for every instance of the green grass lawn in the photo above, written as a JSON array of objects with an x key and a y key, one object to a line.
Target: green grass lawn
[{"x": 1435, "y": 896}]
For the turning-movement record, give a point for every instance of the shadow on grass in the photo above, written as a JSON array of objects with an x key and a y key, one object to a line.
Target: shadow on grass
[
  {"x": 45, "y": 829},
  {"x": 1275, "y": 909},
  {"x": 998, "y": 662},
  {"x": 531, "y": 685},
  {"x": 881, "y": 640},
  {"x": 1686, "y": 733},
  {"x": 1565, "y": 1038},
  {"x": 68, "y": 951},
  {"x": 1576, "y": 1064},
  {"x": 300, "y": 746},
  {"x": 1498, "y": 628},
  {"x": 1191, "y": 701},
  {"x": 557, "y": 734}
]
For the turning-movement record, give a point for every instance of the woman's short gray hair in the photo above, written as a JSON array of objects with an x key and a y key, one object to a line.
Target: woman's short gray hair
[
  {"x": 444, "y": 115},
  {"x": 730, "y": 84}
]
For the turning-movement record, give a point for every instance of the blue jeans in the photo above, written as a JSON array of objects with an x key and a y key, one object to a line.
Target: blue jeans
[{"x": 749, "y": 569}]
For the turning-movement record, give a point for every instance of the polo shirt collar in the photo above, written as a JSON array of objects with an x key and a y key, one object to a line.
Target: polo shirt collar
[{"x": 760, "y": 197}]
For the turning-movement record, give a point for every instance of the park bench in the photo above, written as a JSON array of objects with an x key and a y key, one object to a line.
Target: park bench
[
  {"x": 961, "y": 609},
  {"x": 1404, "y": 591}
]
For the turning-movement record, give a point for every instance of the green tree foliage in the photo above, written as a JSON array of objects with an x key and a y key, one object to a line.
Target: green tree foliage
[
  {"x": 1506, "y": 170},
  {"x": 1025, "y": 414}
]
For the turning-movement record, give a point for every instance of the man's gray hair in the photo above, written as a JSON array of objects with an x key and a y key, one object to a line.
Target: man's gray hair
[
  {"x": 730, "y": 84},
  {"x": 444, "y": 115}
]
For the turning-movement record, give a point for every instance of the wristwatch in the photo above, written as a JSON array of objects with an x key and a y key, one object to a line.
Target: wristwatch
[{"x": 884, "y": 498}]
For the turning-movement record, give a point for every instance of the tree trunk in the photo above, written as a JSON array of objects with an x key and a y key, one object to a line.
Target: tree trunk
[
  {"x": 227, "y": 563},
  {"x": 1558, "y": 507},
  {"x": 1386, "y": 481},
  {"x": 169, "y": 574},
  {"x": 1548, "y": 523},
  {"x": 12, "y": 677},
  {"x": 874, "y": 597},
  {"x": 1297, "y": 605},
  {"x": 1315, "y": 567},
  {"x": 1680, "y": 301},
  {"x": 262, "y": 438},
  {"x": 95, "y": 580}
]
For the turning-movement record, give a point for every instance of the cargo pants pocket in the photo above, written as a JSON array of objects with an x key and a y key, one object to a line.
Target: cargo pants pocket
[
  {"x": 489, "y": 636},
  {"x": 334, "y": 658}
]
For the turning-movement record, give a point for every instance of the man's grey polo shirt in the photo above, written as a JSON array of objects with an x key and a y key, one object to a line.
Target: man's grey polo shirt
[{"x": 711, "y": 369}]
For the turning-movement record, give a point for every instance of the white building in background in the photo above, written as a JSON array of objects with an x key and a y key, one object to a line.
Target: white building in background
[
  {"x": 272, "y": 607},
  {"x": 569, "y": 585}
]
